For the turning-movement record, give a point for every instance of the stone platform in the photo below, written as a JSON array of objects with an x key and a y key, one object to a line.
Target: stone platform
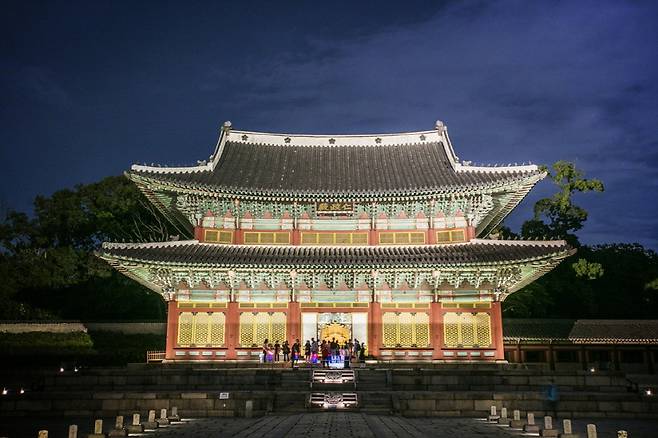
[{"x": 207, "y": 390}]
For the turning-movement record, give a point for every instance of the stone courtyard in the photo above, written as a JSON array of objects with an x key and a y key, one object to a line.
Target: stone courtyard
[{"x": 327, "y": 424}]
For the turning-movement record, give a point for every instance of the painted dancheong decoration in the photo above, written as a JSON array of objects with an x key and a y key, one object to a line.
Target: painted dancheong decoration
[{"x": 382, "y": 238}]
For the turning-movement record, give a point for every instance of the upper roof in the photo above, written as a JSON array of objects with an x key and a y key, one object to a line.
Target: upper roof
[
  {"x": 602, "y": 331},
  {"x": 336, "y": 166}
]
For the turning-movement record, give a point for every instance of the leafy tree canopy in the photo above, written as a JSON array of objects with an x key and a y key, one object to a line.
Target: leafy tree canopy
[{"x": 47, "y": 260}]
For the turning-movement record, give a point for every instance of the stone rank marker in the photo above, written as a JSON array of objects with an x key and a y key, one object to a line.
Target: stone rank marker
[
  {"x": 150, "y": 423},
  {"x": 493, "y": 415},
  {"x": 98, "y": 430},
  {"x": 516, "y": 422},
  {"x": 119, "y": 429},
  {"x": 591, "y": 431},
  {"x": 503, "y": 416},
  {"x": 163, "y": 420},
  {"x": 43, "y": 434},
  {"x": 135, "y": 426},
  {"x": 568, "y": 431},
  {"x": 531, "y": 427},
  {"x": 73, "y": 431},
  {"x": 548, "y": 428},
  {"x": 622, "y": 434},
  {"x": 173, "y": 415}
]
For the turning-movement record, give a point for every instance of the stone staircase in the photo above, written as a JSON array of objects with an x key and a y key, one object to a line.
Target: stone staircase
[{"x": 446, "y": 390}]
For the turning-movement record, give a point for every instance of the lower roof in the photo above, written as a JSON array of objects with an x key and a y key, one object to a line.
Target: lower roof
[{"x": 473, "y": 253}]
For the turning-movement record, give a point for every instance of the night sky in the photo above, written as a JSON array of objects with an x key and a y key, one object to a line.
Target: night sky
[{"x": 88, "y": 88}]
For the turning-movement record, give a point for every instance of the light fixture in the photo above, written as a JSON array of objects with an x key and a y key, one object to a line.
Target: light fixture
[
  {"x": 5, "y": 391},
  {"x": 61, "y": 369},
  {"x": 592, "y": 370},
  {"x": 22, "y": 391},
  {"x": 648, "y": 391}
]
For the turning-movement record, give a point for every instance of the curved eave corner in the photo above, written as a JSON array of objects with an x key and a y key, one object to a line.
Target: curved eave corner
[
  {"x": 537, "y": 268},
  {"x": 498, "y": 215},
  {"x": 117, "y": 264},
  {"x": 180, "y": 222}
]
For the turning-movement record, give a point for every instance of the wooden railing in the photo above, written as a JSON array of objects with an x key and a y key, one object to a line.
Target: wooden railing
[{"x": 155, "y": 356}]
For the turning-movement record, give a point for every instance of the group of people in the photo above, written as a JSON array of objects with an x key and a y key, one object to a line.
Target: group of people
[{"x": 315, "y": 352}]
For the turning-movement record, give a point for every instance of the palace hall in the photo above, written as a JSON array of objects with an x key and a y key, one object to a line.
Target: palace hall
[{"x": 384, "y": 238}]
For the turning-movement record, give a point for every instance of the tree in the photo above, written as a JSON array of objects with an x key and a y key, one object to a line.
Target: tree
[
  {"x": 51, "y": 254},
  {"x": 558, "y": 217}
]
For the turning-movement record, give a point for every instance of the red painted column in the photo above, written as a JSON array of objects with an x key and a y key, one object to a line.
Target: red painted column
[
  {"x": 372, "y": 237},
  {"x": 294, "y": 323},
  {"x": 374, "y": 328},
  {"x": 497, "y": 329},
  {"x": 296, "y": 237},
  {"x": 198, "y": 234},
  {"x": 172, "y": 329},
  {"x": 232, "y": 330},
  {"x": 431, "y": 236},
  {"x": 436, "y": 329},
  {"x": 238, "y": 236}
]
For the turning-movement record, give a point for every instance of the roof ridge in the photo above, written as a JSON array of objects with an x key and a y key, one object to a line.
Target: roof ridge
[
  {"x": 130, "y": 245},
  {"x": 522, "y": 242}
]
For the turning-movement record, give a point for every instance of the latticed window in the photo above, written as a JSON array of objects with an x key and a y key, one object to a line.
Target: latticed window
[
  {"x": 255, "y": 327},
  {"x": 401, "y": 238},
  {"x": 266, "y": 238},
  {"x": 218, "y": 236},
  {"x": 406, "y": 329},
  {"x": 201, "y": 329},
  {"x": 334, "y": 238},
  {"x": 467, "y": 329},
  {"x": 450, "y": 236}
]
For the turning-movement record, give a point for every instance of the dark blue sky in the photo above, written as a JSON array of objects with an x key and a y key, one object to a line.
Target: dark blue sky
[{"x": 88, "y": 88}]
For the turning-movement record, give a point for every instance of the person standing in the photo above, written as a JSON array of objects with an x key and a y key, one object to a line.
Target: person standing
[
  {"x": 314, "y": 351},
  {"x": 296, "y": 350},
  {"x": 265, "y": 342},
  {"x": 286, "y": 351},
  {"x": 307, "y": 350},
  {"x": 277, "y": 349}
]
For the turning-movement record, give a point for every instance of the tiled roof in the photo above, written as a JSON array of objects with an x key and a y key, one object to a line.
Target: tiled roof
[
  {"x": 298, "y": 169},
  {"x": 581, "y": 331},
  {"x": 476, "y": 252},
  {"x": 363, "y": 165}
]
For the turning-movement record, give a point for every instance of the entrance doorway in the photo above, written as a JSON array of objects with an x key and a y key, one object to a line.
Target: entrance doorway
[{"x": 336, "y": 326}]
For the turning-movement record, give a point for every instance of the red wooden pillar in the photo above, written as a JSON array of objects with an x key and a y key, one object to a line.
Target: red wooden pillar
[
  {"x": 238, "y": 236},
  {"x": 431, "y": 236},
  {"x": 374, "y": 328},
  {"x": 198, "y": 234},
  {"x": 172, "y": 329},
  {"x": 294, "y": 323},
  {"x": 372, "y": 237},
  {"x": 436, "y": 329},
  {"x": 497, "y": 329},
  {"x": 296, "y": 237},
  {"x": 232, "y": 330}
]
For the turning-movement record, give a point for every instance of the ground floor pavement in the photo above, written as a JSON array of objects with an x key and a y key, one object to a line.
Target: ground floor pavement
[{"x": 329, "y": 424}]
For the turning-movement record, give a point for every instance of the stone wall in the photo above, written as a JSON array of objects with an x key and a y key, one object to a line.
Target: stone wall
[
  {"x": 51, "y": 327},
  {"x": 127, "y": 328}
]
